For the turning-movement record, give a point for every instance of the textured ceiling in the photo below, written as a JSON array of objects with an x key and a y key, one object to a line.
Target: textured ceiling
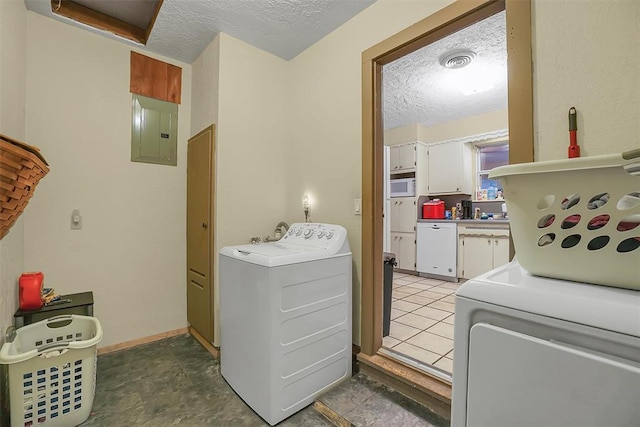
[
  {"x": 415, "y": 86},
  {"x": 417, "y": 89},
  {"x": 184, "y": 28}
]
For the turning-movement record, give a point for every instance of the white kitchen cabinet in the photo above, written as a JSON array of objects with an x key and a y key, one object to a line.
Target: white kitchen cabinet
[
  {"x": 437, "y": 248},
  {"x": 449, "y": 168},
  {"x": 403, "y": 214},
  {"x": 402, "y": 158},
  {"x": 481, "y": 249},
  {"x": 403, "y": 245}
]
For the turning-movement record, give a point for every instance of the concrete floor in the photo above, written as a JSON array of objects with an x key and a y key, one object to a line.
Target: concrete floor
[{"x": 176, "y": 381}]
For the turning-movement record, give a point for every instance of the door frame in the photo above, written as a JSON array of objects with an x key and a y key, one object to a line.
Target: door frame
[{"x": 448, "y": 20}]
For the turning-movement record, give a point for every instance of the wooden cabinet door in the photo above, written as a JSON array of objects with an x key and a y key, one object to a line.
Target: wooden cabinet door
[
  {"x": 404, "y": 248},
  {"x": 407, "y": 157},
  {"x": 445, "y": 168},
  {"x": 407, "y": 257},
  {"x": 477, "y": 257},
  {"x": 394, "y": 158},
  {"x": 403, "y": 214},
  {"x": 500, "y": 251}
]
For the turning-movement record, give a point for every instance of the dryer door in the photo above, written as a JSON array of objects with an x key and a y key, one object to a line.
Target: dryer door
[{"x": 519, "y": 380}]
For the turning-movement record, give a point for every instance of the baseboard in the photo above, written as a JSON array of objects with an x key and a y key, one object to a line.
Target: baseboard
[
  {"x": 424, "y": 389},
  {"x": 203, "y": 342},
  {"x": 139, "y": 341}
]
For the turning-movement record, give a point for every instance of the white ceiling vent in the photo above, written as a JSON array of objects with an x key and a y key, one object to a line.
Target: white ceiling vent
[{"x": 457, "y": 59}]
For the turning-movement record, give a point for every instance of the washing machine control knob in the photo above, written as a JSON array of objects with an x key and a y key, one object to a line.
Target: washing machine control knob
[
  {"x": 308, "y": 233},
  {"x": 320, "y": 234},
  {"x": 298, "y": 231},
  {"x": 329, "y": 234},
  {"x": 291, "y": 231}
]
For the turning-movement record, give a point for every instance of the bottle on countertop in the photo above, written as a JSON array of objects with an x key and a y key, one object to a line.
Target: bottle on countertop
[{"x": 491, "y": 193}]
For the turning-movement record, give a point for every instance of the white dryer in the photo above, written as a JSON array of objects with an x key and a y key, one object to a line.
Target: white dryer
[
  {"x": 532, "y": 351},
  {"x": 285, "y": 318}
]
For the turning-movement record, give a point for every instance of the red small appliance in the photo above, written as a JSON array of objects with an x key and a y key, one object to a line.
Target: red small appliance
[
  {"x": 433, "y": 209},
  {"x": 31, "y": 290}
]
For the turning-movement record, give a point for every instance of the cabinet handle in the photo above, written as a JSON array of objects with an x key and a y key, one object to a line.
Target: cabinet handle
[
  {"x": 489, "y": 241},
  {"x": 400, "y": 237},
  {"x": 204, "y": 225}
]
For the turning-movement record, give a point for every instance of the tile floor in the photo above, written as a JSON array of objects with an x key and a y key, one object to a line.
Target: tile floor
[{"x": 422, "y": 320}]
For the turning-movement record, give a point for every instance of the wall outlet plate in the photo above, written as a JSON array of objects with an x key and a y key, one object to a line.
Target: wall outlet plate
[{"x": 76, "y": 220}]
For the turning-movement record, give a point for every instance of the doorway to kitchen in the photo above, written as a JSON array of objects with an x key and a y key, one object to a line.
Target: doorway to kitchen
[
  {"x": 453, "y": 18},
  {"x": 438, "y": 104}
]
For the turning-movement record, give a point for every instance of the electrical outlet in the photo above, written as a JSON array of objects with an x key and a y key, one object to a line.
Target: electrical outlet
[{"x": 76, "y": 220}]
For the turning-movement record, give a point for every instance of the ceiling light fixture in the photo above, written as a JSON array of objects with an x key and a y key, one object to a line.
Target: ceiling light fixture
[
  {"x": 457, "y": 59},
  {"x": 467, "y": 78}
]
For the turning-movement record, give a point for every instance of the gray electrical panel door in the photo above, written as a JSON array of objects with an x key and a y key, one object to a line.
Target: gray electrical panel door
[{"x": 154, "y": 131}]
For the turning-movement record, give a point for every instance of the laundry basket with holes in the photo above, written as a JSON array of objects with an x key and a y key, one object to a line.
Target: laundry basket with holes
[
  {"x": 577, "y": 219},
  {"x": 48, "y": 372}
]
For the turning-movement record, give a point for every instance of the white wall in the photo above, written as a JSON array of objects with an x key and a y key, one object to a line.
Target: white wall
[
  {"x": 205, "y": 72},
  {"x": 324, "y": 146},
  {"x": 131, "y": 251},
  {"x": 13, "y": 60},
  {"x": 401, "y": 134},
  {"x": 586, "y": 55},
  {"x": 251, "y": 187},
  {"x": 473, "y": 125}
]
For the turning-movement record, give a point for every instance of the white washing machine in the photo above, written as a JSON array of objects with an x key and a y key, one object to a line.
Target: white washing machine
[
  {"x": 285, "y": 318},
  {"x": 532, "y": 351}
]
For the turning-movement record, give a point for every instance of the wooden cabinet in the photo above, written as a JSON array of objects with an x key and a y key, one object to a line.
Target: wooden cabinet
[
  {"x": 403, "y": 214},
  {"x": 403, "y": 222},
  {"x": 403, "y": 245},
  {"x": 482, "y": 248},
  {"x": 402, "y": 158},
  {"x": 449, "y": 169},
  {"x": 410, "y": 160}
]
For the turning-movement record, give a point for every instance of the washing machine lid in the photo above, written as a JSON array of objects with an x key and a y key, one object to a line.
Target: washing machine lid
[
  {"x": 303, "y": 242},
  {"x": 275, "y": 254},
  {"x": 601, "y": 307}
]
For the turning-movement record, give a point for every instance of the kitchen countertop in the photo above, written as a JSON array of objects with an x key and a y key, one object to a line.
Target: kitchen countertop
[{"x": 469, "y": 221}]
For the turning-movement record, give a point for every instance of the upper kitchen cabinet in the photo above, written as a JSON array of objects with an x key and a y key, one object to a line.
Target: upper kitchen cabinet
[
  {"x": 449, "y": 168},
  {"x": 402, "y": 158}
]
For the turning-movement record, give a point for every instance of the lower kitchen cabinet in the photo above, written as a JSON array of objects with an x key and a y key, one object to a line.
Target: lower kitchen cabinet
[
  {"x": 403, "y": 245},
  {"x": 481, "y": 249}
]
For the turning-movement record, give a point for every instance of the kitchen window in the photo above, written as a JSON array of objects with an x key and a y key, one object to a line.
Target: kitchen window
[{"x": 489, "y": 157}]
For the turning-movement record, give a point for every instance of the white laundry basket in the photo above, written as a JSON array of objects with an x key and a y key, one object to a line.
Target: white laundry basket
[
  {"x": 577, "y": 219},
  {"x": 48, "y": 372}
]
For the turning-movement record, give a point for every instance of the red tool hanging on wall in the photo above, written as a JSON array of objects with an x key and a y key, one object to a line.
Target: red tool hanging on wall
[{"x": 574, "y": 148}]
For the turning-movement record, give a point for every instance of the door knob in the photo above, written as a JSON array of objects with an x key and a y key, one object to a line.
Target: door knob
[{"x": 204, "y": 225}]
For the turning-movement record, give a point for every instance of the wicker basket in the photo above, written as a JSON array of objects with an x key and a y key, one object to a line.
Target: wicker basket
[{"x": 21, "y": 167}]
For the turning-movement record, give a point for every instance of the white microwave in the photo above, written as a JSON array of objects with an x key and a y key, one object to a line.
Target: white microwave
[{"x": 405, "y": 187}]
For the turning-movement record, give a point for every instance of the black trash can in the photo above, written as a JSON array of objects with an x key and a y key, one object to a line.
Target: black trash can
[{"x": 389, "y": 263}]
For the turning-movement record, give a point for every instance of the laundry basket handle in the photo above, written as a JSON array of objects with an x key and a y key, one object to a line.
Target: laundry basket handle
[
  {"x": 59, "y": 319},
  {"x": 51, "y": 347}
]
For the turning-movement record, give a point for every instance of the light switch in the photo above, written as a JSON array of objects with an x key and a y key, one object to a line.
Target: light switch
[
  {"x": 357, "y": 206},
  {"x": 76, "y": 220}
]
